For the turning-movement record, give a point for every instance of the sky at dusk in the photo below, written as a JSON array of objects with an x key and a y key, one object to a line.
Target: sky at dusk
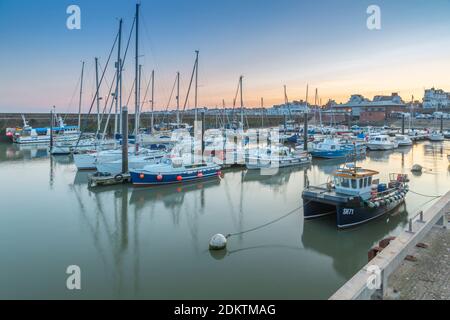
[{"x": 272, "y": 43}]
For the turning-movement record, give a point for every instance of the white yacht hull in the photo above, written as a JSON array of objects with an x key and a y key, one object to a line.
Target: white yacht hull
[
  {"x": 255, "y": 164},
  {"x": 378, "y": 146}
]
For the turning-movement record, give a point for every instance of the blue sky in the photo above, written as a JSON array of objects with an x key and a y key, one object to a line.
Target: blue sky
[{"x": 271, "y": 42}]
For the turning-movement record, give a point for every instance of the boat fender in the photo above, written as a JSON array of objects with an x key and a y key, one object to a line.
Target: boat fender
[
  {"x": 382, "y": 202},
  {"x": 118, "y": 177},
  {"x": 371, "y": 204},
  {"x": 377, "y": 204},
  {"x": 218, "y": 242}
]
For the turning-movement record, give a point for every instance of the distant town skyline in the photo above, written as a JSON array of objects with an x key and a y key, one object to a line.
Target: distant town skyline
[{"x": 323, "y": 43}]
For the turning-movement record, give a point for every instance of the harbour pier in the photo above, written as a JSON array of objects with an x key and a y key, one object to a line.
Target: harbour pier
[{"x": 390, "y": 258}]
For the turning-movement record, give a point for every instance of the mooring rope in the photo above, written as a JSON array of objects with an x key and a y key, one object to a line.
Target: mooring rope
[
  {"x": 302, "y": 206},
  {"x": 425, "y": 195},
  {"x": 271, "y": 222}
]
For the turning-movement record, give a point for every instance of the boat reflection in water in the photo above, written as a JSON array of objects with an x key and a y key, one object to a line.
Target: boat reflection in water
[
  {"x": 172, "y": 196},
  {"x": 26, "y": 152},
  {"x": 344, "y": 243},
  {"x": 273, "y": 177}
]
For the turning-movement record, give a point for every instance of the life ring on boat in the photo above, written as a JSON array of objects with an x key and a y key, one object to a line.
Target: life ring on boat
[{"x": 118, "y": 177}]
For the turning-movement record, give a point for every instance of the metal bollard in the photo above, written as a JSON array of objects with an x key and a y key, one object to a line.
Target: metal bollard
[
  {"x": 421, "y": 217},
  {"x": 410, "y": 228}
]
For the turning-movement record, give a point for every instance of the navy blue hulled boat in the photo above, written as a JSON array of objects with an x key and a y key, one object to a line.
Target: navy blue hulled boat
[
  {"x": 354, "y": 196},
  {"x": 173, "y": 170}
]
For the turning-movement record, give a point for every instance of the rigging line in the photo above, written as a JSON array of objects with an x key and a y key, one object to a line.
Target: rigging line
[
  {"x": 73, "y": 96},
  {"x": 190, "y": 85},
  {"x": 128, "y": 45},
  {"x": 107, "y": 98},
  {"x": 157, "y": 66},
  {"x": 107, "y": 119},
  {"x": 93, "y": 100},
  {"x": 270, "y": 222},
  {"x": 145, "y": 94},
  {"x": 170, "y": 99},
  {"x": 106, "y": 78},
  {"x": 131, "y": 92},
  {"x": 234, "y": 100}
]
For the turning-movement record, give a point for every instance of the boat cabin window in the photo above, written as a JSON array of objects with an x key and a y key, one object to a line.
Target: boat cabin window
[
  {"x": 354, "y": 184},
  {"x": 361, "y": 183},
  {"x": 333, "y": 147},
  {"x": 345, "y": 183},
  {"x": 369, "y": 181}
]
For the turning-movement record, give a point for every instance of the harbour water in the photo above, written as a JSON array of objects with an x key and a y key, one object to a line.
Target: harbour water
[{"x": 152, "y": 243}]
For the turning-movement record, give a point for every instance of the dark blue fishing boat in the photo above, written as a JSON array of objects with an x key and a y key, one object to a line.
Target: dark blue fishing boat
[{"x": 354, "y": 196}]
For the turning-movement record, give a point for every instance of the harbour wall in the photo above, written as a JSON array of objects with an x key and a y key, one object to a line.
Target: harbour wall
[{"x": 359, "y": 287}]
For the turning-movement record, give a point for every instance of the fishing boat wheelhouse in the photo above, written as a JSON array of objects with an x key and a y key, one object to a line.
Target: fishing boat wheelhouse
[{"x": 355, "y": 196}]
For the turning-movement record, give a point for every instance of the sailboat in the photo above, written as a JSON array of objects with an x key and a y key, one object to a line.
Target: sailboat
[{"x": 171, "y": 170}]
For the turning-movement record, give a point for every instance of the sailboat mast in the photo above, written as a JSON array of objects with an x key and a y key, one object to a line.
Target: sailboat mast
[
  {"x": 81, "y": 95},
  {"x": 196, "y": 83},
  {"x": 224, "y": 112},
  {"x": 178, "y": 99},
  {"x": 118, "y": 94},
  {"x": 262, "y": 112},
  {"x": 285, "y": 96},
  {"x": 97, "y": 94},
  {"x": 136, "y": 73},
  {"x": 138, "y": 116},
  {"x": 152, "y": 124},
  {"x": 242, "y": 102}
]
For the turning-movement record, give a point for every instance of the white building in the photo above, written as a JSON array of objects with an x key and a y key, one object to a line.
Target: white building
[
  {"x": 296, "y": 107},
  {"x": 436, "y": 99},
  {"x": 358, "y": 104}
]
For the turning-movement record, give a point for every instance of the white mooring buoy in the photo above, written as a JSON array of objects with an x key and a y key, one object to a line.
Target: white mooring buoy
[
  {"x": 218, "y": 242},
  {"x": 417, "y": 168}
]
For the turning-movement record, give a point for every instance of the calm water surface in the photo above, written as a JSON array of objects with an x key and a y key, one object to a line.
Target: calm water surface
[{"x": 152, "y": 243}]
